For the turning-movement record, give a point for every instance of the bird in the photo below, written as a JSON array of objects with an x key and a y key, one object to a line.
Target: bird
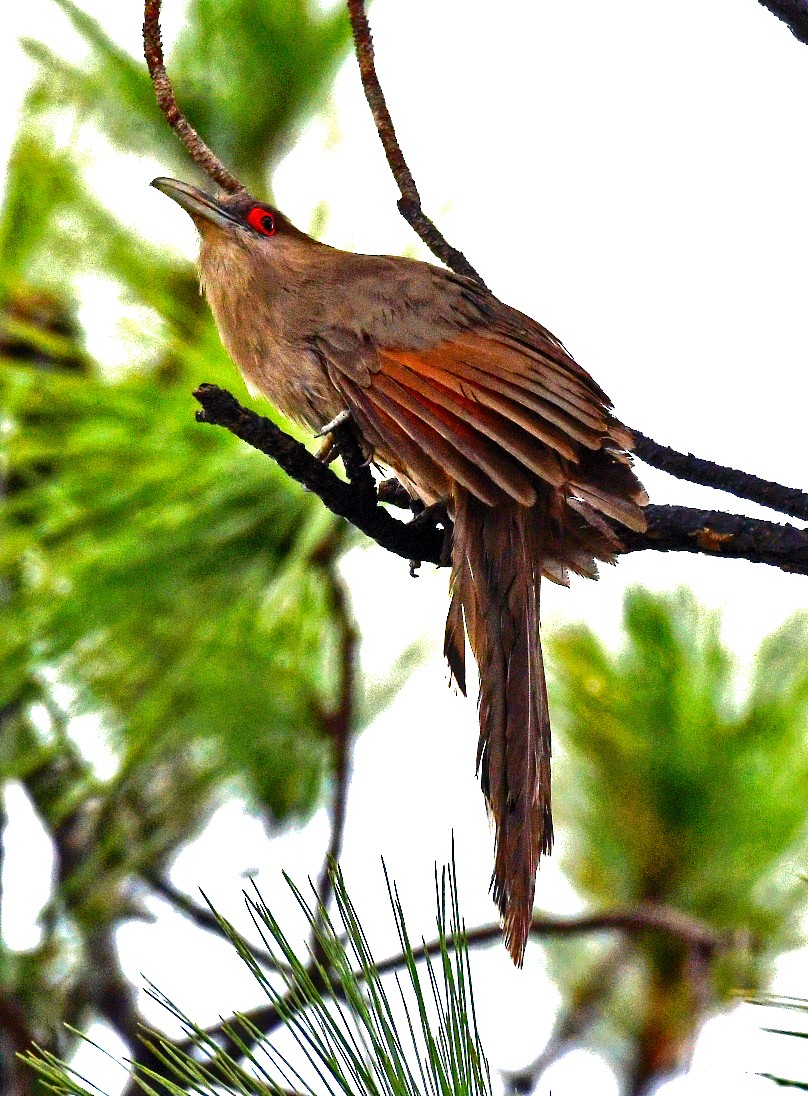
[{"x": 474, "y": 407}]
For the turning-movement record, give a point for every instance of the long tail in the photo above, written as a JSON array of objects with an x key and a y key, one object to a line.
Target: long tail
[{"x": 496, "y": 571}]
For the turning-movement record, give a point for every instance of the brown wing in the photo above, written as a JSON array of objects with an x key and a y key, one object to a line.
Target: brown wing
[{"x": 490, "y": 411}]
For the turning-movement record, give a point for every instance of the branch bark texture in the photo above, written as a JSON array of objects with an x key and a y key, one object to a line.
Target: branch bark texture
[
  {"x": 166, "y": 100},
  {"x": 794, "y": 13},
  {"x": 409, "y": 204},
  {"x": 670, "y": 528},
  {"x": 744, "y": 485}
]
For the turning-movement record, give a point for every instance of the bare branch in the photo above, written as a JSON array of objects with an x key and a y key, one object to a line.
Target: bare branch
[
  {"x": 409, "y": 204},
  {"x": 670, "y": 528},
  {"x": 715, "y": 533},
  {"x": 197, "y": 149},
  {"x": 203, "y": 918},
  {"x": 358, "y": 504},
  {"x": 794, "y": 14},
  {"x": 581, "y": 1012},
  {"x": 744, "y": 485},
  {"x": 651, "y": 917},
  {"x": 339, "y": 727},
  {"x": 643, "y": 918}
]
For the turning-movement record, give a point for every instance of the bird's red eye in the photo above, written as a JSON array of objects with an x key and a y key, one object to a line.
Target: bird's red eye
[{"x": 261, "y": 220}]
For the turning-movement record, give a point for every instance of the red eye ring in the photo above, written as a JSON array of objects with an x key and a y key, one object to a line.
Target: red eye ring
[{"x": 261, "y": 220}]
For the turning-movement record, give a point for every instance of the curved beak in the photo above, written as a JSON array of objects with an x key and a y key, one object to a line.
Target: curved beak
[{"x": 195, "y": 202}]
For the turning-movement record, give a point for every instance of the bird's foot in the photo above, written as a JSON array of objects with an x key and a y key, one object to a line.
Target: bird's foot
[
  {"x": 330, "y": 427},
  {"x": 328, "y": 451},
  {"x": 437, "y": 515},
  {"x": 395, "y": 494},
  {"x": 332, "y": 435}
]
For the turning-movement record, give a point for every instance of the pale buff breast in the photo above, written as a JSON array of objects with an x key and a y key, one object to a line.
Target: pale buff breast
[{"x": 252, "y": 320}]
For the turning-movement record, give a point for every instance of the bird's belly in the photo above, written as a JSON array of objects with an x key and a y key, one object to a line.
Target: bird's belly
[{"x": 294, "y": 381}]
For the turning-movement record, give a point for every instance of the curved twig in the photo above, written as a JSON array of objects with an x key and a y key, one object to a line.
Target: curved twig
[
  {"x": 744, "y": 485},
  {"x": 197, "y": 149},
  {"x": 644, "y": 918},
  {"x": 409, "y": 204},
  {"x": 741, "y": 484},
  {"x": 339, "y": 726},
  {"x": 670, "y": 528}
]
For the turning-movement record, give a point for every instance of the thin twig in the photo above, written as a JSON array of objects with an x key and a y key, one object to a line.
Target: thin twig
[
  {"x": 670, "y": 528},
  {"x": 581, "y": 1012},
  {"x": 339, "y": 726},
  {"x": 679, "y": 533},
  {"x": 744, "y": 485},
  {"x": 409, "y": 204},
  {"x": 643, "y": 918},
  {"x": 197, "y": 149},
  {"x": 203, "y": 918}
]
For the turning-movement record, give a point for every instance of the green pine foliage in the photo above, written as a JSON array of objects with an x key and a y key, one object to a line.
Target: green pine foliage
[
  {"x": 681, "y": 787},
  {"x": 154, "y": 565},
  {"x": 354, "y": 1031},
  {"x": 788, "y": 1007},
  {"x": 156, "y": 576}
]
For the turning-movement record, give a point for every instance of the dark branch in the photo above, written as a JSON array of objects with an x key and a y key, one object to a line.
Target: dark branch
[
  {"x": 786, "y": 500},
  {"x": 646, "y": 918},
  {"x": 409, "y": 204},
  {"x": 794, "y": 14},
  {"x": 714, "y": 533},
  {"x": 359, "y": 505},
  {"x": 203, "y": 918},
  {"x": 197, "y": 149},
  {"x": 643, "y": 918},
  {"x": 670, "y": 528},
  {"x": 339, "y": 728}
]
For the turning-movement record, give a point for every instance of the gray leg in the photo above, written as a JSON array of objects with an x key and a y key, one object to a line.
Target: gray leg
[{"x": 329, "y": 427}]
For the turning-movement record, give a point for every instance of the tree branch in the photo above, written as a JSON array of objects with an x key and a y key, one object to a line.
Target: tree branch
[
  {"x": 670, "y": 528},
  {"x": 715, "y": 533},
  {"x": 744, "y": 485},
  {"x": 643, "y": 918},
  {"x": 409, "y": 204},
  {"x": 794, "y": 13},
  {"x": 339, "y": 727},
  {"x": 203, "y": 918},
  {"x": 359, "y": 505},
  {"x": 581, "y": 1012},
  {"x": 164, "y": 92}
]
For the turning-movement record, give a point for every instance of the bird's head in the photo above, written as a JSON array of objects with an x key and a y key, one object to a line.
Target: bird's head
[{"x": 235, "y": 218}]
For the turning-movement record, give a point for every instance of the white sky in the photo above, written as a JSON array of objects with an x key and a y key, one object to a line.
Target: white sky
[{"x": 634, "y": 176}]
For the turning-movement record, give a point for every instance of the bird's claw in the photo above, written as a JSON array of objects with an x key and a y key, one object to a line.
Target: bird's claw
[
  {"x": 330, "y": 427},
  {"x": 436, "y": 514},
  {"x": 328, "y": 451}
]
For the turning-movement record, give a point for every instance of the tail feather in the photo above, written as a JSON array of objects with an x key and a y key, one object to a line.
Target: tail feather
[{"x": 497, "y": 567}]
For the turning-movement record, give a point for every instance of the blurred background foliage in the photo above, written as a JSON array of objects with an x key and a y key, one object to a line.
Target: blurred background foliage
[
  {"x": 683, "y": 783},
  {"x": 170, "y": 589},
  {"x": 157, "y": 578}
]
